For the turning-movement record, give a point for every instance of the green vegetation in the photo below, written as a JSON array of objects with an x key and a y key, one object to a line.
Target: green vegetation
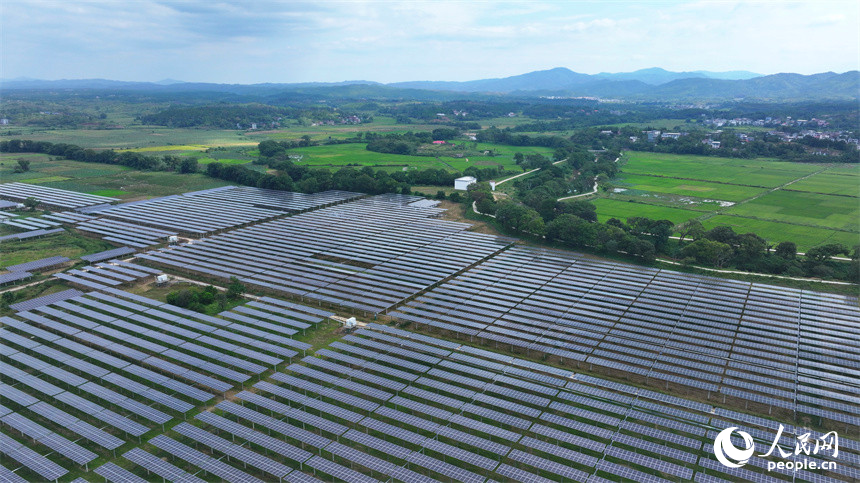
[
  {"x": 208, "y": 300},
  {"x": 133, "y": 137},
  {"x": 66, "y": 244},
  {"x": 682, "y": 187},
  {"x": 657, "y": 186},
  {"x": 804, "y": 236},
  {"x": 831, "y": 182},
  {"x": 744, "y": 172},
  {"x": 140, "y": 184},
  {"x": 672, "y": 179},
  {"x": 109, "y": 193},
  {"x": 810, "y": 209},
  {"x": 339, "y": 155},
  {"x": 47, "y": 287},
  {"x": 610, "y": 208}
]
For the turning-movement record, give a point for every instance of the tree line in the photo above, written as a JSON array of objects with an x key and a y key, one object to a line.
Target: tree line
[{"x": 133, "y": 160}]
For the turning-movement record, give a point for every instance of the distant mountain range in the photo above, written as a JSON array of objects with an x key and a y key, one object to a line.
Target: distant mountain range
[
  {"x": 562, "y": 78},
  {"x": 653, "y": 84}
]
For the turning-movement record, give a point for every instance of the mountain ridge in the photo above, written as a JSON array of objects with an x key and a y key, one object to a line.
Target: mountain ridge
[{"x": 652, "y": 84}]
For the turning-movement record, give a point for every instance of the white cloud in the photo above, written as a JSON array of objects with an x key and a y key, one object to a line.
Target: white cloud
[{"x": 262, "y": 41}]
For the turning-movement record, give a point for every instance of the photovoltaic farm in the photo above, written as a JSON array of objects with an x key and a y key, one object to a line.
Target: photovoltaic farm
[
  {"x": 368, "y": 255},
  {"x": 474, "y": 358}
]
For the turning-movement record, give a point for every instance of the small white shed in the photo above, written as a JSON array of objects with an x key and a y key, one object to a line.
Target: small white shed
[{"x": 464, "y": 182}]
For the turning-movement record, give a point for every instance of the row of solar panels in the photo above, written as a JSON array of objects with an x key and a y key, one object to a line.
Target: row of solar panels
[
  {"x": 351, "y": 255},
  {"x": 107, "y": 274},
  {"x": 211, "y": 211},
  {"x": 31, "y": 223},
  {"x": 83, "y": 345},
  {"x": 51, "y": 196},
  {"x": 388, "y": 403},
  {"x": 677, "y": 342}
]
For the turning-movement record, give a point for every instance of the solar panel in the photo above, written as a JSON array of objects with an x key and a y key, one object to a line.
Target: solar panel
[
  {"x": 117, "y": 474},
  {"x": 445, "y": 469},
  {"x": 338, "y": 472},
  {"x": 548, "y": 465},
  {"x": 244, "y": 432},
  {"x": 153, "y": 464},
  {"x": 386, "y": 447},
  {"x": 294, "y": 432},
  {"x": 42, "y": 466},
  {"x": 211, "y": 465}
]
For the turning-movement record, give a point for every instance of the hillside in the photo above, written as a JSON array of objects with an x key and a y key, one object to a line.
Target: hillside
[{"x": 643, "y": 85}]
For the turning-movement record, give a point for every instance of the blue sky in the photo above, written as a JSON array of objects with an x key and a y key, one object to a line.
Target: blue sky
[{"x": 290, "y": 41}]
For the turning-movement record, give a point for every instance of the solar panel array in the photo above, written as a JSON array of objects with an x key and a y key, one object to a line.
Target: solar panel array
[
  {"x": 68, "y": 217},
  {"x": 188, "y": 215},
  {"x": 750, "y": 345},
  {"x": 44, "y": 263},
  {"x": 107, "y": 254},
  {"x": 84, "y": 374},
  {"x": 277, "y": 200},
  {"x": 367, "y": 255},
  {"x": 123, "y": 233},
  {"x": 14, "y": 277},
  {"x": 385, "y": 403},
  {"x": 53, "y": 197},
  {"x": 205, "y": 212},
  {"x": 31, "y": 234},
  {"x": 30, "y": 223},
  {"x": 46, "y": 299},
  {"x": 107, "y": 274}
]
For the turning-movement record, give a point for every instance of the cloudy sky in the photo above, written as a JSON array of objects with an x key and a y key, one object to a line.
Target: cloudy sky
[{"x": 387, "y": 41}]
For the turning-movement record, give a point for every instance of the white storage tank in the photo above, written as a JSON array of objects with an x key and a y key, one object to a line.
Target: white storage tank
[{"x": 464, "y": 182}]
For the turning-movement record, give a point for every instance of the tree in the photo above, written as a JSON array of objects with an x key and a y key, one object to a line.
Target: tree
[
  {"x": 486, "y": 206},
  {"x": 822, "y": 253},
  {"x": 172, "y": 162},
  {"x": 207, "y": 296},
  {"x": 751, "y": 247},
  {"x": 722, "y": 234},
  {"x": 692, "y": 229},
  {"x": 786, "y": 250},
  {"x": 188, "y": 165},
  {"x": 643, "y": 249},
  {"x": 7, "y": 298},
  {"x": 572, "y": 230},
  {"x": 235, "y": 289},
  {"x": 23, "y": 166},
  {"x": 269, "y": 148},
  {"x": 31, "y": 203},
  {"x": 583, "y": 209},
  {"x": 708, "y": 252}
]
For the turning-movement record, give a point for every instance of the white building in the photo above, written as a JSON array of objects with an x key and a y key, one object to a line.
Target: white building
[{"x": 464, "y": 182}]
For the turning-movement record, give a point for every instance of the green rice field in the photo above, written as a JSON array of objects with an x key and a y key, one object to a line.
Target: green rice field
[
  {"x": 800, "y": 208},
  {"x": 746, "y": 172},
  {"x": 609, "y": 208},
  {"x": 774, "y": 232},
  {"x": 830, "y": 182},
  {"x": 821, "y": 208},
  {"x": 682, "y": 187}
]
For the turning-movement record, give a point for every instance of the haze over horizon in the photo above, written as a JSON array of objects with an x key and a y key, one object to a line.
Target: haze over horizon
[{"x": 277, "y": 42}]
